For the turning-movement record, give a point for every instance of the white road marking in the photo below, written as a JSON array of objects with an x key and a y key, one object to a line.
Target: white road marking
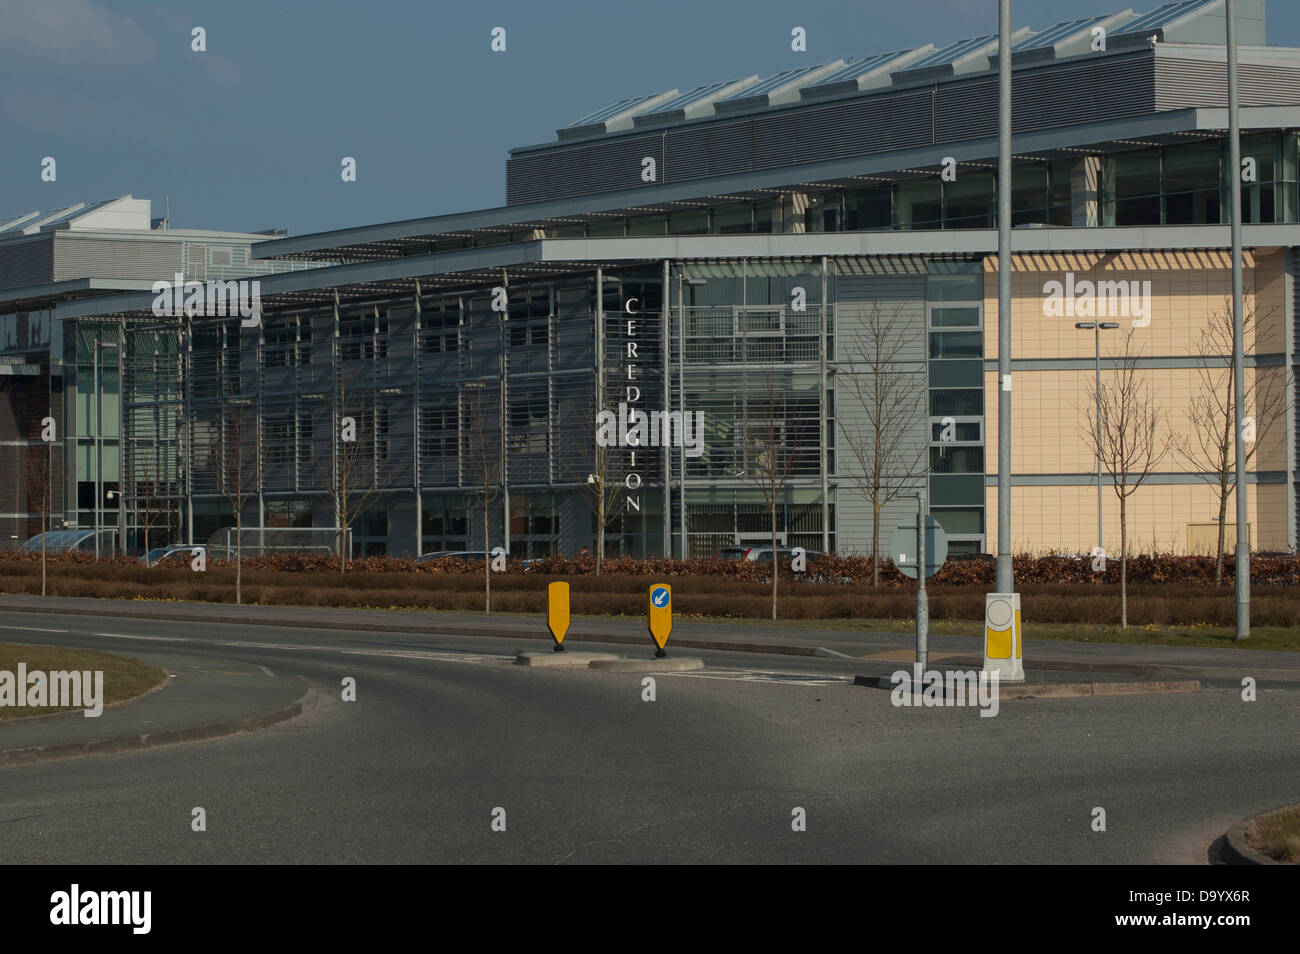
[
  {"x": 437, "y": 655},
  {"x": 34, "y": 629},
  {"x": 158, "y": 639},
  {"x": 444, "y": 656},
  {"x": 264, "y": 669},
  {"x": 768, "y": 676}
]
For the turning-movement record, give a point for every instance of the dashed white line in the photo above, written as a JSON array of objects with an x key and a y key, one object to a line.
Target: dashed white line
[
  {"x": 156, "y": 639},
  {"x": 758, "y": 675},
  {"x": 34, "y": 629}
]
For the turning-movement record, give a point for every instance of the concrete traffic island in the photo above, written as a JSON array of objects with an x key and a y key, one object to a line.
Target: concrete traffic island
[
  {"x": 665, "y": 664},
  {"x": 563, "y": 660},
  {"x": 1234, "y": 849}
]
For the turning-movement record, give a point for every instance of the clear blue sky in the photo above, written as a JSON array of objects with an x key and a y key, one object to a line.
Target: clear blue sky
[{"x": 250, "y": 134}]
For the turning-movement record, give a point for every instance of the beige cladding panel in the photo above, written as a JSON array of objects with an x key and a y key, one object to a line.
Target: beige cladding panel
[
  {"x": 1052, "y": 413},
  {"x": 1064, "y": 519},
  {"x": 1186, "y": 289}
]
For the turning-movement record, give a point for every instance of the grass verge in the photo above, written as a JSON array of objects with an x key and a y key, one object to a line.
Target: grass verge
[
  {"x": 124, "y": 677},
  {"x": 1277, "y": 835}
]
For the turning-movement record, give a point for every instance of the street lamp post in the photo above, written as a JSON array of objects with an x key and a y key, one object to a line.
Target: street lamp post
[
  {"x": 1242, "y": 561},
  {"x": 597, "y": 481},
  {"x": 1096, "y": 327}
]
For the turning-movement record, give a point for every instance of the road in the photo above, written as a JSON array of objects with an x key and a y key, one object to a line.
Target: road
[{"x": 444, "y": 730}]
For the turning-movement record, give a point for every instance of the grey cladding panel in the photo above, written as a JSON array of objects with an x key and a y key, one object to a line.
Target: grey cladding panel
[
  {"x": 110, "y": 258},
  {"x": 901, "y": 299}
]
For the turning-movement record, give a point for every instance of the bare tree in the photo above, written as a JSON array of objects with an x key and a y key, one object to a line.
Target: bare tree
[
  {"x": 40, "y": 490},
  {"x": 152, "y": 509},
  {"x": 596, "y": 467},
  {"x": 238, "y": 473},
  {"x": 482, "y": 463},
  {"x": 882, "y": 412},
  {"x": 359, "y": 447},
  {"x": 770, "y": 453},
  {"x": 1128, "y": 439},
  {"x": 1212, "y": 413}
]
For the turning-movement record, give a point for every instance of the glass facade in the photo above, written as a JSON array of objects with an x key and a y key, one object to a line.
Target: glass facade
[
  {"x": 955, "y": 332},
  {"x": 1187, "y": 184}
]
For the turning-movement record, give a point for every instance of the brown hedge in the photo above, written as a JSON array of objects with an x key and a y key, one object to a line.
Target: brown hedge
[{"x": 1156, "y": 569}]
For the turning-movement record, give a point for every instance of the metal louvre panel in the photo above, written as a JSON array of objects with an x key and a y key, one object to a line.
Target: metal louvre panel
[
  {"x": 879, "y": 124},
  {"x": 27, "y": 263},
  {"x": 1181, "y": 83},
  {"x": 709, "y": 150},
  {"x": 962, "y": 110},
  {"x": 1090, "y": 92},
  {"x": 112, "y": 258}
]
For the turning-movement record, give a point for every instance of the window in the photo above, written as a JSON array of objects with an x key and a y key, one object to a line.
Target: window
[
  {"x": 963, "y": 431},
  {"x": 733, "y": 219},
  {"x": 440, "y": 326},
  {"x": 647, "y": 225},
  {"x": 693, "y": 222},
  {"x": 920, "y": 204},
  {"x": 969, "y": 202},
  {"x": 1131, "y": 188},
  {"x": 1193, "y": 183},
  {"x": 960, "y": 520},
  {"x": 866, "y": 209},
  {"x": 949, "y": 459},
  {"x": 955, "y": 281},
  {"x": 957, "y": 402},
  {"x": 968, "y": 317},
  {"x": 956, "y": 344}
]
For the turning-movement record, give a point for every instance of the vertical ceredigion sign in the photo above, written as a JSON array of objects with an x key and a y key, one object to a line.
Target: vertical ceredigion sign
[{"x": 632, "y": 424}]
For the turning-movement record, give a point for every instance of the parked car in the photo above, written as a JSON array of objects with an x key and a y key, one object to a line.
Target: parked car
[
  {"x": 451, "y": 555},
  {"x": 730, "y": 553},
  {"x": 764, "y": 554},
  {"x": 466, "y": 555},
  {"x": 157, "y": 554}
]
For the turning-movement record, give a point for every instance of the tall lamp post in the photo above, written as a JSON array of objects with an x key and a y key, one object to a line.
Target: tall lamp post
[
  {"x": 1005, "y": 575},
  {"x": 1096, "y": 328},
  {"x": 1242, "y": 562}
]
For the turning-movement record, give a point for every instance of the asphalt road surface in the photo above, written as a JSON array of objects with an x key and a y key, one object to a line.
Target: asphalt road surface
[{"x": 444, "y": 731}]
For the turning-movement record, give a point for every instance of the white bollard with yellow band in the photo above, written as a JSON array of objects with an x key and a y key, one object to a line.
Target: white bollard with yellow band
[{"x": 1002, "y": 652}]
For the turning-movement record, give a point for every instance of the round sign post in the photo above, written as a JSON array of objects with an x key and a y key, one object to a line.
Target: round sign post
[
  {"x": 660, "y": 616},
  {"x": 919, "y": 549}
]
